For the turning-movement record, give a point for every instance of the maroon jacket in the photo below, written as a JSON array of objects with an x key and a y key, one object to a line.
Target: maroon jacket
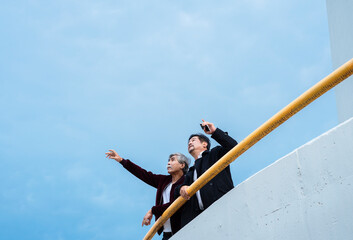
[{"x": 160, "y": 182}]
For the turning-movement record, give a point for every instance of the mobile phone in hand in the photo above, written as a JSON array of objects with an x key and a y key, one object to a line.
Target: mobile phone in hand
[{"x": 206, "y": 128}]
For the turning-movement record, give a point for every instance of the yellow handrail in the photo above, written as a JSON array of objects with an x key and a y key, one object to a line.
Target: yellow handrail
[{"x": 298, "y": 104}]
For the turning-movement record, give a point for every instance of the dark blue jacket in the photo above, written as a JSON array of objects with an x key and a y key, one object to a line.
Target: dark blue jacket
[{"x": 214, "y": 189}]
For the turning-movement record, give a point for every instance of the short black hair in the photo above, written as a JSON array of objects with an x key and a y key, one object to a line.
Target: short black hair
[{"x": 202, "y": 139}]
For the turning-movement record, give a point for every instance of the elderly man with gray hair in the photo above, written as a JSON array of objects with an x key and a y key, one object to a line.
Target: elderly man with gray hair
[{"x": 177, "y": 166}]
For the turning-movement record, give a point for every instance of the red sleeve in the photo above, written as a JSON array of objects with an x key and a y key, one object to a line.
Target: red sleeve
[
  {"x": 159, "y": 209},
  {"x": 146, "y": 176}
]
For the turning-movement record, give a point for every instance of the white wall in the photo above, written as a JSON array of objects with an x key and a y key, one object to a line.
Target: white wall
[
  {"x": 307, "y": 194},
  {"x": 340, "y": 20}
]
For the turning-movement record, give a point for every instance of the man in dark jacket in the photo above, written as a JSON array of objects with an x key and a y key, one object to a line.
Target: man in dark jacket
[
  {"x": 177, "y": 166},
  {"x": 199, "y": 148}
]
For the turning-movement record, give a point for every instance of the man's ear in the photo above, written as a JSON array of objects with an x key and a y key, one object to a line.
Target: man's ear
[{"x": 204, "y": 144}]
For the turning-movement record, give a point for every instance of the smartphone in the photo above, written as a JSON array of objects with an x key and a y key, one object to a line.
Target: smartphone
[{"x": 206, "y": 128}]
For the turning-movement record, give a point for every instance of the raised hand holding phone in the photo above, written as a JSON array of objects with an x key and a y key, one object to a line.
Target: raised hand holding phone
[{"x": 207, "y": 127}]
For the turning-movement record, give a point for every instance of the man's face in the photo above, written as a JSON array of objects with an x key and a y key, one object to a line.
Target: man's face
[
  {"x": 196, "y": 144},
  {"x": 174, "y": 165}
]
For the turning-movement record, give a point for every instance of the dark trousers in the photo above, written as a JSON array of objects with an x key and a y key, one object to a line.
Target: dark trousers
[{"x": 167, "y": 235}]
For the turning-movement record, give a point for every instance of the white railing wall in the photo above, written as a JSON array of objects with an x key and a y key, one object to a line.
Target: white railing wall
[{"x": 304, "y": 195}]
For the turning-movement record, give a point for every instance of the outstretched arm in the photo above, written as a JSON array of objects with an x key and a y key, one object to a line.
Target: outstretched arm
[
  {"x": 144, "y": 175},
  {"x": 226, "y": 142},
  {"x": 112, "y": 154}
]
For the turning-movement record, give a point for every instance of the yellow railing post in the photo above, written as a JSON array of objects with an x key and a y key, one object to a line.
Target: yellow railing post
[{"x": 298, "y": 104}]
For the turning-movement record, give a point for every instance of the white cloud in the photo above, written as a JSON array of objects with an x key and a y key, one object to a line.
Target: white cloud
[
  {"x": 192, "y": 21},
  {"x": 259, "y": 4},
  {"x": 104, "y": 199},
  {"x": 261, "y": 94},
  {"x": 313, "y": 73},
  {"x": 78, "y": 173}
]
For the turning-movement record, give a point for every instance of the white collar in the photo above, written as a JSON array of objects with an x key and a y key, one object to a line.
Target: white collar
[{"x": 200, "y": 155}]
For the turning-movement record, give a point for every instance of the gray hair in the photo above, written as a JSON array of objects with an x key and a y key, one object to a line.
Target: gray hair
[{"x": 182, "y": 159}]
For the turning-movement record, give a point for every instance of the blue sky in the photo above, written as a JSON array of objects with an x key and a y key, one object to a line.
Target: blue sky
[{"x": 80, "y": 77}]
